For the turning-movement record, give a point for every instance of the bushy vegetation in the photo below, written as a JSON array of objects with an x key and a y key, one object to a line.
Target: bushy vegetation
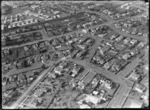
[{"x": 6, "y": 9}]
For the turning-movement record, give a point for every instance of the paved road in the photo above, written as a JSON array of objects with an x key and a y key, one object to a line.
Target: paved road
[
  {"x": 126, "y": 34},
  {"x": 94, "y": 48},
  {"x": 28, "y": 43},
  {"x": 109, "y": 22},
  {"x": 31, "y": 87},
  {"x": 92, "y": 67},
  {"x": 17, "y": 71},
  {"x": 121, "y": 92},
  {"x": 130, "y": 67},
  {"x": 119, "y": 101}
]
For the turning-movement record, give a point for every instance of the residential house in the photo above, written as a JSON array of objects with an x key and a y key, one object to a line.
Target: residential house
[
  {"x": 139, "y": 88},
  {"x": 29, "y": 74},
  {"x": 134, "y": 76},
  {"x": 76, "y": 70},
  {"x": 58, "y": 70},
  {"x": 108, "y": 84},
  {"x": 114, "y": 67},
  {"x": 63, "y": 64},
  {"x": 131, "y": 103},
  {"x": 12, "y": 85}
]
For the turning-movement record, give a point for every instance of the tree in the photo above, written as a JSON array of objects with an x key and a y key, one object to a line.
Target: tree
[{"x": 6, "y": 9}]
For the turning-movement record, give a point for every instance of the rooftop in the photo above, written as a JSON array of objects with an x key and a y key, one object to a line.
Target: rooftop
[{"x": 131, "y": 103}]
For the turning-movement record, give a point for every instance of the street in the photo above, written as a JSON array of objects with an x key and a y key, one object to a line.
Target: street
[{"x": 32, "y": 86}]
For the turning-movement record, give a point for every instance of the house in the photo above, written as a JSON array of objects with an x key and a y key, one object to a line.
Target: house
[
  {"x": 26, "y": 48},
  {"x": 145, "y": 81},
  {"x": 29, "y": 74},
  {"x": 106, "y": 48},
  {"x": 82, "y": 54},
  {"x": 21, "y": 77},
  {"x": 34, "y": 46},
  {"x": 108, "y": 84},
  {"x": 133, "y": 76},
  {"x": 42, "y": 47},
  {"x": 39, "y": 92},
  {"x": 107, "y": 57},
  {"x": 82, "y": 40},
  {"x": 107, "y": 65},
  {"x": 95, "y": 81},
  {"x": 134, "y": 32},
  {"x": 139, "y": 88},
  {"x": 61, "y": 48},
  {"x": 141, "y": 45},
  {"x": 58, "y": 70},
  {"x": 115, "y": 67},
  {"x": 119, "y": 38},
  {"x": 90, "y": 41},
  {"x": 114, "y": 36},
  {"x": 34, "y": 103},
  {"x": 84, "y": 106},
  {"x": 29, "y": 60},
  {"x": 126, "y": 40},
  {"x": 92, "y": 99},
  {"x": 102, "y": 81},
  {"x": 140, "y": 33},
  {"x": 112, "y": 52},
  {"x": 73, "y": 82},
  {"x": 74, "y": 53},
  {"x": 126, "y": 56},
  {"x": 37, "y": 58},
  {"x": 81, "y": 85},
  {"x": 131, "y": 103},
  {"x": 6, "y": 67},
  {"x": 63, "y": 64},
  {"x": 12, "y": 85},
  {"x": 133, "y": 41},
  {"x": 98, "y": 60},
  {"x": 82, "y": 46},
  {"x": 75, "y": 70}
]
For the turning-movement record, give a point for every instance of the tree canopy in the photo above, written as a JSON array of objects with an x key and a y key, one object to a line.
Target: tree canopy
[{"x": 6, "y": 9}]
